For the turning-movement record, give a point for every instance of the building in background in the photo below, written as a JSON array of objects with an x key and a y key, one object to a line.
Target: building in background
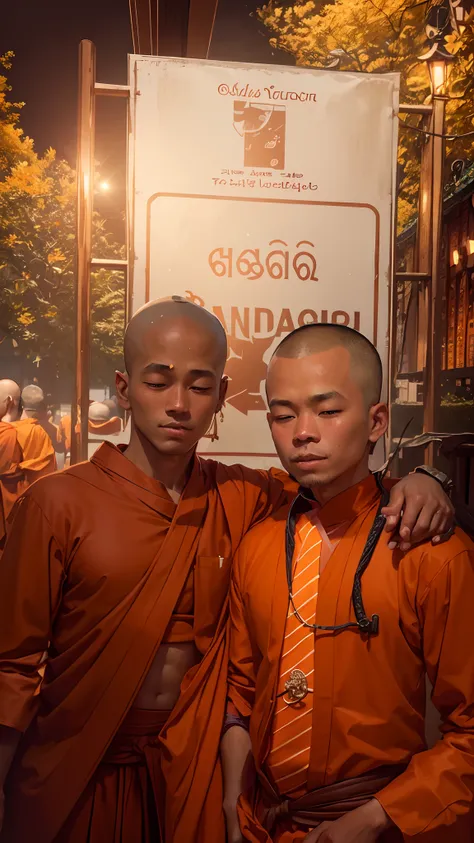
[
  {"x": 457, "y": 338},
  {"x": 456, "y": 412}
]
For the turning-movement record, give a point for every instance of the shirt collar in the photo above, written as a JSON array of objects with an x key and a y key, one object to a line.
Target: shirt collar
[
  {"x": 111, "y": 459},
  {"x": 347, "y": 505}
]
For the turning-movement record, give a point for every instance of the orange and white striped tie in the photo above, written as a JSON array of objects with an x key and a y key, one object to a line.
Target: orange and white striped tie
[{"x": 289, "y": 755}]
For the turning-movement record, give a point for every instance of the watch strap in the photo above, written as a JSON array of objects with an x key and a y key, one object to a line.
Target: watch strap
[{"x": 445, "y": 482}]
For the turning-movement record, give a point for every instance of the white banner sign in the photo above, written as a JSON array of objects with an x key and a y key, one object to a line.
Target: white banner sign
[{"x": 264, "y": 194}]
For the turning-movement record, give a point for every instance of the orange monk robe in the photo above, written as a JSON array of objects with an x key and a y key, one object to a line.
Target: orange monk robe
[
  {"x": 38, "y": 452},
  {"x": 107, "y": 428},
  {"x": 64, "y": 428},
  {"x": 369, "y": 694},
  {"x": 52, "y": 430},
  {"x": 93, "y": 567},
  {"x": 64, "y": 431},
  {"x": 11, "y": 477}
]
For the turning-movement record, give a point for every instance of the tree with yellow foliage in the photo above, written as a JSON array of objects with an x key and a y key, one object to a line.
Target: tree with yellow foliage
[
  {"x": 37, "y": 254},
  {"x": 380, "y": 36}
]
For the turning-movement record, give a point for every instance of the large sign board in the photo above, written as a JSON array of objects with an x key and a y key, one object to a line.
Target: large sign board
[{"x": 264, "y": 194}]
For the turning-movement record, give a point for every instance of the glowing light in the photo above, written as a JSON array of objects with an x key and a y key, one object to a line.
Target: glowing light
[
  {"x": 471, "y": 247},
  {"x": 104, "y": 186},
  {"x": 455, "y": 257},
  {"x": 438, "y": 71}
]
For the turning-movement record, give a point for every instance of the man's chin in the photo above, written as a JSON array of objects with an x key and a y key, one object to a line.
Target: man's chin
[
  {"x": 314, "y": 478},
  {"x": 172, "y": 448}
]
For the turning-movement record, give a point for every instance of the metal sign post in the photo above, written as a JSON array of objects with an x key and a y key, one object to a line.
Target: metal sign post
[
  {"x": 88, "y": 90},
  {"x": 85, "y": 194},
  {"x": 176, "y": 27}
]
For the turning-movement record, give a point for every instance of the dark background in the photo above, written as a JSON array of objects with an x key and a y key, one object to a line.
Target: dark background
[{"x": 45, "y": 37}]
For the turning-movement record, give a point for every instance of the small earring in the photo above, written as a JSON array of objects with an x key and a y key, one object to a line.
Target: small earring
[{"x": 221, "y": 415}]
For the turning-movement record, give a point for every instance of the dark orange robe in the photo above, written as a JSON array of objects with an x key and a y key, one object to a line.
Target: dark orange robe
[
  {"x": 369, "y": 694},
  {"x": 64, "y": 428},
  {"x": 38, "y": 452},
  {"x": 12, "y": 479},
  {"x": 52, "y": 430},
  {"x": 93, "y": 567},
  {"x": 107, "y": 428}
]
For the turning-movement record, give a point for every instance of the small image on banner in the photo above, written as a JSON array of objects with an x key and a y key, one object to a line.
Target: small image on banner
[{"x": 263, "y": 130}]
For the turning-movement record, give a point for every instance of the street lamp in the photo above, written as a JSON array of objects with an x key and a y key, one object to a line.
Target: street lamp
[
  {"x": 439, "y": 63},
  {"x": 430, "y": 218}
]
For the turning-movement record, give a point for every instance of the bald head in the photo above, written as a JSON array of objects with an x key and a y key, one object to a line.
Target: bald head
[
  {"x": 10, "y": 389},
  {"x": 175, "y": 355},
  {"x": 99, "y": 412},
  {"x": 366, "y": 365},
  {"x": 32, "y": 398},
  {"x": 160, "y": 315},
  {"x": 111, "y": 403},
  {"x": 9, "y": 400}
]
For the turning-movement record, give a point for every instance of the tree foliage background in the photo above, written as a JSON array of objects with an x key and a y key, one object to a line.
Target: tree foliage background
[
  {"x": 37, "y": 255},
  {"x": 378, "y": 36}
]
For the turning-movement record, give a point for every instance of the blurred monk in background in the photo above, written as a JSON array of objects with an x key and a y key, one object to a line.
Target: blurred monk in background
[
  {"x": 65, "y": 429},
  {"x": 114, "y": 581},
  {"x": 35, "y": 442},
  {"x": 102, "y": 421},
  {"x": 12, "y": 478}
]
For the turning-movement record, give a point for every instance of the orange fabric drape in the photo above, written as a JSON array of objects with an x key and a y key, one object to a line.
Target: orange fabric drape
[
  {"x": 12, "y": 479},
  {"x": 39, "y": 458}
]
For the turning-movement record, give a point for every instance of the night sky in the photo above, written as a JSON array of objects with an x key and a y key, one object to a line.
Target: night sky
[{"x": 45, "y": 37}]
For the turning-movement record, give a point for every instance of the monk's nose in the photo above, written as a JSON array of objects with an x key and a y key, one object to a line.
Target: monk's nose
[
  {"x": 306, "y": 430},
  {"x": 178, "y": 400}
]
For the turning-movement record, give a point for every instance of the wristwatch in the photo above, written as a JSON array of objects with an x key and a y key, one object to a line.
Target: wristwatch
[{"x": 445, "y": 482}]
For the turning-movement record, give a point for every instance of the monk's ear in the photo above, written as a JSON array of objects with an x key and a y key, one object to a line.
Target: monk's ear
[
  {"x": 121, "y": 388},
  {"x": 378, "y": 422},
  {"x": 222, "y": 392}
]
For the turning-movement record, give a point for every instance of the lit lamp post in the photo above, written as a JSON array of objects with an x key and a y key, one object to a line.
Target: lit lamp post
[{"x": 430, "y": 219}]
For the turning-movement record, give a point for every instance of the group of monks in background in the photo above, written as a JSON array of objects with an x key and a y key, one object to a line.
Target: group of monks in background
[
  {"x": 192, "y": 652},
  {"x": 32, "y": 445}
]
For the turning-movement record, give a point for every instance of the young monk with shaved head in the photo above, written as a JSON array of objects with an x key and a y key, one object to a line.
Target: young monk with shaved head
[
  {"x": 113, "y": 582},
  {"x": 332, "y": 632},
  {"x": 39, "y": 457}
]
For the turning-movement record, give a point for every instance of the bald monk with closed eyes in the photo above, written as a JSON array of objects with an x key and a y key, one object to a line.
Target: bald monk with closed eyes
[
  {"x": 114, "y": 580},
  {"x": 333, "y": 632}
]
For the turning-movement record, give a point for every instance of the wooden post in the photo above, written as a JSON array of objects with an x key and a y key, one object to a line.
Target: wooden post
[{"x": 85, "y": 198}]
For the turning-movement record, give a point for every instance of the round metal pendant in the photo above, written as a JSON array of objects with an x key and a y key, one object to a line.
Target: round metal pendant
[{"x": 296, "y": 687}]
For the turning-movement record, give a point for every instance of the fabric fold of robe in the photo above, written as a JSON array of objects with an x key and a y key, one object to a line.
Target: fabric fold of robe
[
  {"x": 12, "y": 478},
  {"x": 39, "y": 458},
  {"x": 110, "y": 427},
  {"x": 120, "y": 802}
]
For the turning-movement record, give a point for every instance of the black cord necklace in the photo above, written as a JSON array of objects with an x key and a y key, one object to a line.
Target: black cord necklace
[{"x": 366, "y": 625}]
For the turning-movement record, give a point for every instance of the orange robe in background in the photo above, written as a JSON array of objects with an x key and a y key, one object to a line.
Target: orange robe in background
[
  {"x": 64, "y": 429},
  {"x": 64, "y": 432},
  {"x": 93, "y": 567},
  {"x": 52, "y": 431},
  {"x": 107, "y": 428},
  {"x": 368, "y": 694},
  {"x": 12, "y": 479},
  {"x": 38, "y": 453}
]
